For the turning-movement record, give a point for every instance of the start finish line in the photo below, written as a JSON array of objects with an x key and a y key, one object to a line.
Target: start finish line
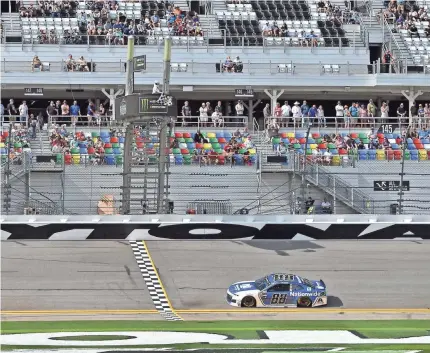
[{"x": 135, "y": 338}]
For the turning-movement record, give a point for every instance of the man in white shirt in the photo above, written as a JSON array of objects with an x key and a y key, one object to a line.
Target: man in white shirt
[
  {"x": 286, "y": 112},
  {"x": 339, "y": 113},
  {"x": 239, "y": 110},
  {"x": 23, "y": 112},
  {"x": 297, "y": 113}
]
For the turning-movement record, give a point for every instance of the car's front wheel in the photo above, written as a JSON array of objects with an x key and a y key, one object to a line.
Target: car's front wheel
[
  {"x": 304, "y": 302},
  {"x": 249, "y": 302}
]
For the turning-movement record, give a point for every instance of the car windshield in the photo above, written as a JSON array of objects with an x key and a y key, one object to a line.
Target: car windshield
[
  {"x": 307, "y": 282},
  {"x": 262, "y": 283}
]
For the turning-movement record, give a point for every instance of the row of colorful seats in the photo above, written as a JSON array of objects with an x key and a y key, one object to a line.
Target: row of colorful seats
[{"x": 382, "y": 155}]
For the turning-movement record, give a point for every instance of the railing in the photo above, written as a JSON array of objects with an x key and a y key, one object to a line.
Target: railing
[
  {"x": 287, "y": 68},
  {"x": 340, "y": 124}
]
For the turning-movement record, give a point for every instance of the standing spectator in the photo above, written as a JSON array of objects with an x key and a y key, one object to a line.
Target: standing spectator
[
  {"x": 75, "y": 112},
  {"x": 33, "y": 126},
  {"x": 203, "y": 114},
  {"x": 321, "y": 117},
  {"x": 101, "y": 115},
  {"x": 297, "y": 113},
  {"x": 23, "y": 113},
  {"x": 278, "y": 113},
  {"x": 186, "y": 113},
  {"x": 12, "y": 111},
  {"x": 91, "y": 112},
  {"x": 339, "y": 113},
  {"x": 1, "y": 113},
  {"x": 413, "y": 110},
  {"x": 305, "y": 111},
  {"x": 362, "y": 112},
  {"x": 209, "y": 109},
  {"x": 267, "y": 114},
  {"x": 239, "y": 110},
  {"x": 286, "y": 112},
  {"x": 312, "y": 114},
  {"x": 371, "y": 109},
  {"x": 384, "y": 112},
  {"x": 65, "y": 111},
  {"x": 354, "y": 114},
  {"x": 401, "y": 111}
]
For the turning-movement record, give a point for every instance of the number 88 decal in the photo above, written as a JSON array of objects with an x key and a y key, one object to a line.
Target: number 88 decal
[{"x": 278, "y": 299}]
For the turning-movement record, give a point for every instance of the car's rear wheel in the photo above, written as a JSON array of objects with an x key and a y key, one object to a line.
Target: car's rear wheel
[
  {"x": 249, "y": 302},
  {"x": 304, "y": 302}
]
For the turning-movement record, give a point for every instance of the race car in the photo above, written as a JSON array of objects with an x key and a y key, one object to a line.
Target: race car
[{"x": 278, "y": 290}]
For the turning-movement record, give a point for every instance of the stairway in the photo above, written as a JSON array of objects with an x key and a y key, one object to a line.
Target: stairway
[
  {"x": 210, "y": 26},
  {"x": 11, "y": 24},
  {"x": 264, "y": 148}
]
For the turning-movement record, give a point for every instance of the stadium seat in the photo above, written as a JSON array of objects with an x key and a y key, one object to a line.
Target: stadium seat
[
  {"x": 414, "y": 155},
  {"x": 380, "y": 155}
]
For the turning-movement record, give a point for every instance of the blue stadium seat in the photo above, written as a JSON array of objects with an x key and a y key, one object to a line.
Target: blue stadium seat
[
  {"x": 117, "y": 151},
  {"x": 227, "y": 135},
  {"x": 414, "y": 155},
  {"x": 389, "y": 136},
  {"x": 110, "y": 159},
  {"x": 362, "y": 154},
  {"x": 334, "y": 151},
  {"x": 105, "y": 134},
  {"x": 395, "y": 146},
  {"x": 372, "y": 155},
  {"x": 83, "y": 150},
  {"x": 219, "y": 134},
  {"x": 411, "y": 146}
]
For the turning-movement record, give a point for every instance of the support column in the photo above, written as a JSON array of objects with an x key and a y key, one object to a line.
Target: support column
[
  {"x": 411, "y": 95},
  {"x": 112, "y": 95},
  {"x": 126, "y": 172},
  {"x": 274, "y": 95}
]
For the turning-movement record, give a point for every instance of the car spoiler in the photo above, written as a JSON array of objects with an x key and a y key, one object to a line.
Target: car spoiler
[{"x": 322, "y": 283}]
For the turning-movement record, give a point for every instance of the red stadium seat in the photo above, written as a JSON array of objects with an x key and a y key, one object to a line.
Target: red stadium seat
[
  {"x": 398, "y": 155},
  {"x": 380, "y": 135},
  {"x": 316, "y": 135},
  {"x": 284, "y": 135},
  {"x": 91, "y": 150},
  {"x": 107, "y": 145},
  {"x": 354, "y": 135},
  {"x": 343, "y": 151},
  {"x": 114, "y": 139},
  {"x": 185, "y": 151},
  {"x": 322, "y": 146},
  {"x": 139, "y": 139},
  {"x": 68, "y": 159},
  {"x": 139, "y": 145},
  {"x": 221, "y": 160},
  {"x": 221, "y": 140},
  {"x": 302, "y": 140},
  {"x": 199, "y": 146},
  {"x": 419, "y": 145},
  {"x": 390, "y": 155},
  {"x": 178, "y": 134},
  {"x": 186, "y": 135},
  {"x": 416, "y": 140}
]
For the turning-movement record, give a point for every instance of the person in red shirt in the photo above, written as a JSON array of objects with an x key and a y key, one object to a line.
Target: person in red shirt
[{"x": 278, "y": 112}]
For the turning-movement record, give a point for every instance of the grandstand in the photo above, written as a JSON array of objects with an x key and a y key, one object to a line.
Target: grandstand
[{"x": 290, "y": 50}]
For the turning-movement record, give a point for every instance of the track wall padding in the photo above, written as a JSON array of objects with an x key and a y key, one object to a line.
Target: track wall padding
[{"x": 213, "y": 231}]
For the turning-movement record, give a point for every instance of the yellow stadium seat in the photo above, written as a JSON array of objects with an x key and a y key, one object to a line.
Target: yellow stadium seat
[
  {"x": 207, "y": 146},
  {"x": 252, "y": 151},
  {"x": 313, "y": 146},
  {"x": 380, "y": 155},
  {"x": 422, "y": 154},
  {"x": 1, "y": 145},
  {"x": 76, "y": 158},
  {"x": 335, "y": 160},
  {"x": 211, "y": 134},
  {"x": 290, "y": 134}
]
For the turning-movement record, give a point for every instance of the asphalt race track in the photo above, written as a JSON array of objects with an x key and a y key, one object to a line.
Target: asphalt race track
[
  {"x": 367, "y": 274},
  {"x": 42, "y": 275},
  {"x": 103, "y": 275}
]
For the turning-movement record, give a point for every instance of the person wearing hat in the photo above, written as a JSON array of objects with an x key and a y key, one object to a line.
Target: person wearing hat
[{"x": 297, "y": 113}]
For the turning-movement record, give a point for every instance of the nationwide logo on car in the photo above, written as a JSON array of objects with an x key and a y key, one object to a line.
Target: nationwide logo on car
[{"x": 300, "y": 294}]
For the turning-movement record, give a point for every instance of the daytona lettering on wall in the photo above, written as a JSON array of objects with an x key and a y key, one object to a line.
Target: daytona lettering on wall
[{"x": 215, "y": 231}]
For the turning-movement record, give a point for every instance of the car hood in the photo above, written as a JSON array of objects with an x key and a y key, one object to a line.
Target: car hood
[{"x": 242, "y": 287}]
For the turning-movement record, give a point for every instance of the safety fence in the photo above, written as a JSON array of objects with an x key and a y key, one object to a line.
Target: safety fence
[{"x": 216, "y": 67}]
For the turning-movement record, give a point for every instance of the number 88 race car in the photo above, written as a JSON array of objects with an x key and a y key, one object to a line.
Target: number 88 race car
[{"x": 278, "y": 290}]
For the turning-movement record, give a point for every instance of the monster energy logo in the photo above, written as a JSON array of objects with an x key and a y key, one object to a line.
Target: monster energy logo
[{"x": 144, "y": 105}]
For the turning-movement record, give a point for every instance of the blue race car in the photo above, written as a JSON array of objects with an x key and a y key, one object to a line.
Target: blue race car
[{"x": 278, "y": 290}]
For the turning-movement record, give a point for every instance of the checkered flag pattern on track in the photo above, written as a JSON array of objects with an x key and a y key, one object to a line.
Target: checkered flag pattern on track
[{"x": 150, "y": 276}]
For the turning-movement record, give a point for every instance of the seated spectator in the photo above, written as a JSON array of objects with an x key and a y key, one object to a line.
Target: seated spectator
[
  {"x": 228, "y": 65},
  {"x": 413, "y": 31},
  {"x": 82, "y": 64},
  {"x": 237, "y": 65},
  {"x": 36, "y": 64},
  {"x": 70, "y": 63},
  {"x": 427, "y": 31},
  {"x": 326, "y": 207}
]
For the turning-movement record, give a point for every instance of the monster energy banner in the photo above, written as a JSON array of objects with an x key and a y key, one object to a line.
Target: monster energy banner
[{"x": 139, "y": 106}]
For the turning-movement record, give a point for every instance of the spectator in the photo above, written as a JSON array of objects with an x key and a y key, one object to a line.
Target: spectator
[
  {"x": 218, "y": 107},
  {"x": 297, "y": 113},
  {"x": 228, "y": 65},
  {"x": 12, "y": 111},
  {"x": 65, "y": 111},
  {"x": 286, "y": 113},
  {"x": 33, "y": 126},
  {"x": 267, "y": 114},
  {"x": 23, "y": 113},
  {"x": 353, "y": 110},
  {"x": 371, "y": 109},
  {"x": 1, "y": 113},
  {"x": 75, "y": 112},
  {"x": 239, "y": 108},
  {"x": 82, "y": 64},
  {"x": 326, "y": 207},
  {"x": 362, "y": 112},
  {"x": 186, "y": 113},
  {"x": 278, "y": 113},
  {"x": 36, "y": 64},
  {"x": 309, "y": 205},
  {"x": 203, "y": 114},
  {"x": 70, "y": 63},
  {"x": 339, "y": 113},
  {"x": 312, "y": 114},
  {"x": 305, "y": 110},
  {"x": 237, "y": 65},
  {"x": 384, "y": 112},
  {"x": 91, "y": 112},
  {"x": 321, "y": 117}
]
